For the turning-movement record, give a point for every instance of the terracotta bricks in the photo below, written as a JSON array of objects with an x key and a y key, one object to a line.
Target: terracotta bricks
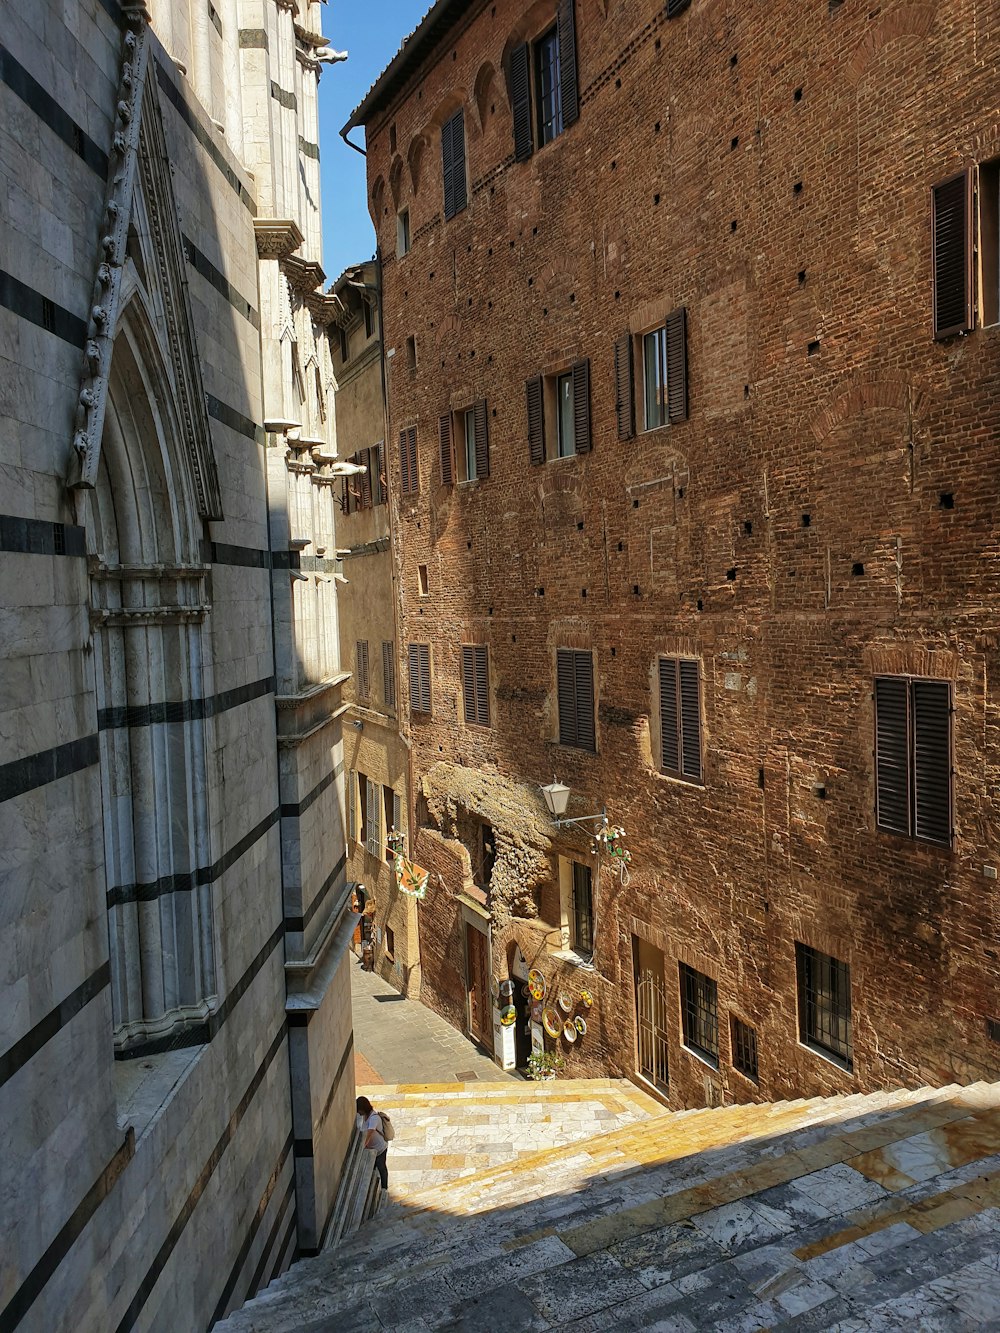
[{"x": 826, "y": 513}]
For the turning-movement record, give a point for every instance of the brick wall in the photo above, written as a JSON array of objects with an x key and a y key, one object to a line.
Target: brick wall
[{"x": 768, "y": 169}]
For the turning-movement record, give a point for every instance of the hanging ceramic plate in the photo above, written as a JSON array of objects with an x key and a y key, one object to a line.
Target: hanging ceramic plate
[
  {"x": 565, "y": 1001},
  {"x": 569, "y": 1031},
  {"x": 536, "y": 1013},
  {"x": 551, "y": 1022},
  {"x": 581, "y": 1025},
  {"x": 537, "y": 992},
  {"x": 526, "y": 991},
  {"x": 536, "y": 978},
  {"x": 586, "y": 999},
  {"x": 508, "y": 1016}
]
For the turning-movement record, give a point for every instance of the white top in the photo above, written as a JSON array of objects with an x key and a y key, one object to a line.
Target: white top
[{"x": 374, "y": 1123}]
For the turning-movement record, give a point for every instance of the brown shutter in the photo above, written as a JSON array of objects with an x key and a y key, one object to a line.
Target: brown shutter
[
  {"x": 388, "y": 675},
  {"x": 447, "y": 449},
  {"x": 932, "y": 760},
  {"x": 951, "y": 244},
  {"x": 365, "y": 478},
  {"x": 690, "y": 720},
  {"x": 581, "y": 406},
  {"x": 482, "y": 668},
  {"x": 670, "y": 737},
  {"x": 675, "y": 7},
  {"x": 350, "y": 800},
  {"x": 566, "y": 693},
  {"x": 469, "y": 682},
  {"x": 583, "y": 670},
  {"x": 536, "y": 420},
  {"x": 482, "y": 439},
  {"x": 413, "y": 656},
  {"x": 345, "y": 495},
  {"x": 382, "y": 490},
  {"x": 892, "y": 768},
  {"x": 569, "y": 89},
  {"x": 453, "y": 159},
  {"x": 520, "y": 101},
  {"x": 425, "y": 677},
  {"x": 677, "y": 392},
  {"x": 624, "y": 380},
  {"x": 404, "y": 464}
]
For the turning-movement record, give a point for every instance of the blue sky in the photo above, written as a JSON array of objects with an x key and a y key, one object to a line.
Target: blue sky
[{"x": 371, "y": 30}]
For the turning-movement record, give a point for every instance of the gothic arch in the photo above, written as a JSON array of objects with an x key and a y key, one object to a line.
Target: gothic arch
[
  {"x": 148, "y": 611},
  {"x": 396, "y": 179},
  {"x": 414, "y": 159},
  {"x": 485, "y": 88}
]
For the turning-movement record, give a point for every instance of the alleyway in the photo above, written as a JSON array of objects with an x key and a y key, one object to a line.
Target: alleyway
[{"x": 397, "y": 1040}]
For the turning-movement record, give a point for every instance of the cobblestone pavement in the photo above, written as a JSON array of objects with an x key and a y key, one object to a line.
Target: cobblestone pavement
[{"x": 402, "y": 1041}]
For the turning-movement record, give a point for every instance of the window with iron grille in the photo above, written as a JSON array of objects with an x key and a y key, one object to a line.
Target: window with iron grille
[
  {"x": 744, "y": 1039},
  {"x": 700, "y": 1013},
  {"x": 582, "y": 924},
  {"x": 389, "y": 674},
  {"x": 419, "y": 657},
  {"x": 913, "y": 787},
  {"x": 680, "y": 718},
  {"x": 363, "y": 677},
  {"x": 575, "y": 688},
  {"x": 476, "y": 683},
  {"x": 824, "y": 986}
]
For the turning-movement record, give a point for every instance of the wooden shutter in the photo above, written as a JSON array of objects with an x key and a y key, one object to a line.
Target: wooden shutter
[
  {"x": 453, "y": 157},
  {"x": 583, "y": 670},
  {"x": 675, "y": 7},
  {"x": 374, "y": 841},
  {"x": 482, "y": 668},
  {"x": 931, "y": 715},
  {"x": 447, "y": 449},
  {"x": 469, "y": 682},
  {"x": 892, "y": 768},
  {"x": 404, "y": 464},
  {"x": 482, "y": 439},
  {"x": 581, "y": 407},
  {"x": 389, "y": 675},
  {"x": 345, "y": 495},
  {"x": 566, "y": 694},
  {"x": 350, "y": 800},
  {"x": 520, "y": 101},
  {"x": 690, "y": 720},
  {"x": 365, "y": 478},
  {"x": 624, "y": 390},
  {"x": 413, "y": 661},
  {"x": 536, "y": 419},
  {"x": 382, "y": 488},
  {"x": 397, "y": 812},
  {"x": 361, "y": 654},
  {"x": 670, "y": 722},
  {"x": 951, "y": 244},
  {"x": 569, "y": 89},
  {"x": 411, "y": 446},
  {"x": 677, "y": 393}
]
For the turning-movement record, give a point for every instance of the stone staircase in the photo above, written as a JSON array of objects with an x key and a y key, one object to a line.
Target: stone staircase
[{"x": 877, "y": 1211}]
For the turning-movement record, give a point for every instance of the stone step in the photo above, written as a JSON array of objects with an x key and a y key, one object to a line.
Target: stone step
[{"x": 763, "y": 1220}]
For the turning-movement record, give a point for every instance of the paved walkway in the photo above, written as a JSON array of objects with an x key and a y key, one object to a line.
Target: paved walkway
[{"x": 397, "y": 1040}]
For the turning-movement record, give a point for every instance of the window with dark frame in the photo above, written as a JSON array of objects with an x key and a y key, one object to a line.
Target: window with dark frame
[
  {"x": 419, "y": 660},
  {"x": 548, "y": 92},
  {"x": 654, "y": 378},
  {"x": 582, "y": 919},
  {"x": 470, "y": 429},
  {"x": 390, "y": 944},
  {"x": 824, "y": 986},
  {"x": 913, "y": 778},
  {"x": 476, "y": 684},
  {"x": 558, "y": 411},
  {"x": 700, "y": 1013},
  {"x": 965, "y": 250},
  {"x": 744, "y": 1043},
  {"x": 344, "y": 345},
  {"x": 544, "y": 84},
  {"x": 575, "y": 690},
  {"x": 468, "y": 418},
  {"x": 680, "y": 718},
  {"x": 389, "y": 674}
]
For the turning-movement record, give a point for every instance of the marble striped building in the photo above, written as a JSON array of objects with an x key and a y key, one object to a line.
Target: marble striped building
[{"x": 176, "y": 1080}]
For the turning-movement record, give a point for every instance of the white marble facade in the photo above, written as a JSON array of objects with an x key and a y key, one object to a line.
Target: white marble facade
[{"x": 176, "y": 1087}]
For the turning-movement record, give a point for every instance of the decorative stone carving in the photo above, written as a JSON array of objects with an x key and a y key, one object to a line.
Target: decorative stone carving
[{"x": 277, "y": 238}]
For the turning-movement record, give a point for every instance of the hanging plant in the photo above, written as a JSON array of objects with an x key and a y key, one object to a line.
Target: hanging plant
[{"x": 611, "y": 840}]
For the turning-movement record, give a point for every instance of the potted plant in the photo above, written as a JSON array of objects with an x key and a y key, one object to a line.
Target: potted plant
[{"x": 544, "y": 1065}]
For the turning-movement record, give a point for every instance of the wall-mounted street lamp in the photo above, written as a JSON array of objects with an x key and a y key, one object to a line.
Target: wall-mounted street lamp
[{"x": 556, "y": 796}]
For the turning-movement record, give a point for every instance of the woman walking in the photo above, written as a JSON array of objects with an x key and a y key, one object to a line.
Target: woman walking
[{"x": 371, "y": 1123}]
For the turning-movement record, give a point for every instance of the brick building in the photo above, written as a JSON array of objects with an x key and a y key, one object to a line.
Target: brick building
[{"x": 693, "y": 410}]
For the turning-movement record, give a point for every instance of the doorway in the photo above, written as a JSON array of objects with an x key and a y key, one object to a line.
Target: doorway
[
  {"x": 477, "y": 982},
  {"x": 650, "y": 1014}
]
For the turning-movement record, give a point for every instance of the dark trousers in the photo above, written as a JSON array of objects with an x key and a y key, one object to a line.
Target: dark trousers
[{"x": 382, "y": 1169}]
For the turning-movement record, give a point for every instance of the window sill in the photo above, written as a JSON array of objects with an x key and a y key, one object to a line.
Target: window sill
[
  {"x": 574, "y": 959},
  {"x": 670, "y": 776},
  {"x": 749, "y": 1078},
  {"x": 911, "y": 840},
  {"x": 838, "y": 1061},
  {"x": 710, "y": 1062}
]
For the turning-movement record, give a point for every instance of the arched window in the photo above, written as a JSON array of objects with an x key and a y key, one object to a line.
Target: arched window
[{"x": 148, "y": 610}]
